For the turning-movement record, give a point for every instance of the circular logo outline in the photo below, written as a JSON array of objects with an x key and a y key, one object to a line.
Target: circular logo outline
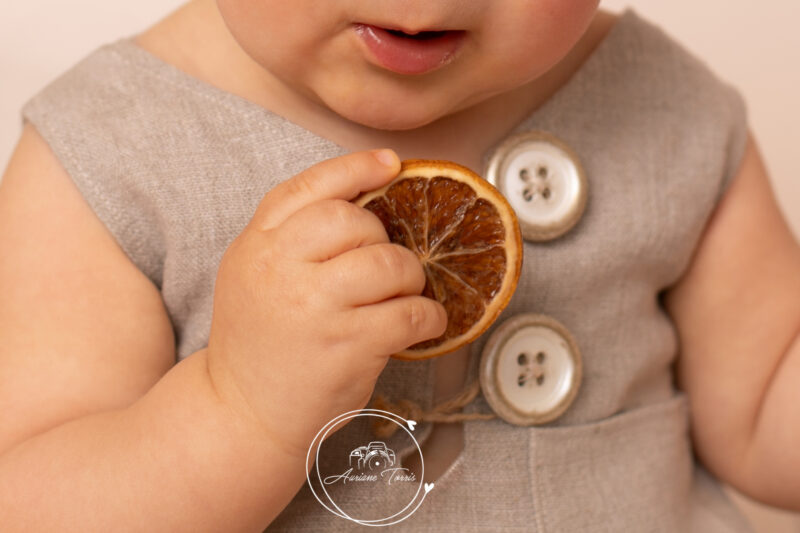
[
  {"x": 319, "y": 476},
  {"x": 324, "y": 432}
]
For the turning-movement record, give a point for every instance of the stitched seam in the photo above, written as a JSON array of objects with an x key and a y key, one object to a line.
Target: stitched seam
[
  {"x": 644, "y": 411},
  {"x": 535, "y": 487}
]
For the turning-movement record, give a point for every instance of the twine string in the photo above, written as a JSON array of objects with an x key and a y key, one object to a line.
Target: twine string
[{"x": 446, "y": 411}]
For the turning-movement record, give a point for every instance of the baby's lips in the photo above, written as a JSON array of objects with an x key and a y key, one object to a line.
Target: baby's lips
[{"x": 405, "y": 53}]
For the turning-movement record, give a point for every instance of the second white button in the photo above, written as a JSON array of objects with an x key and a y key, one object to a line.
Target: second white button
[{"x": 530, "y": 369}]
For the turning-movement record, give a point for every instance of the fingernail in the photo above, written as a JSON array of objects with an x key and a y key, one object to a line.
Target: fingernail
[{"x": 386, "y": 157}]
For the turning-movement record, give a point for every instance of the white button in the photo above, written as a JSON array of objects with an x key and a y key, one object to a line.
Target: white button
[
  {"x": 530, "y": 369},
  {"x": 543, "y": 180}
]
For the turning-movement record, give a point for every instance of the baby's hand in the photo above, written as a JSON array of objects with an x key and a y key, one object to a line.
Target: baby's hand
[{"x": 311, "y": 299}]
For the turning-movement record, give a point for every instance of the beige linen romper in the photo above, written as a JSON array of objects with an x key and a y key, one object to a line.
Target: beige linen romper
[{"x": 175, "y": 168}]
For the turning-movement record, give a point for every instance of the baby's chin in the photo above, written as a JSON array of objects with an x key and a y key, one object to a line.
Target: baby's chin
[
  {"x": 387, "y": 115},
  {"x": 390, "y": 122}
]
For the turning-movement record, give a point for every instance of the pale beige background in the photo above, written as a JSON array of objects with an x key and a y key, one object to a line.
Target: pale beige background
[{"x": 755, "y": 45}]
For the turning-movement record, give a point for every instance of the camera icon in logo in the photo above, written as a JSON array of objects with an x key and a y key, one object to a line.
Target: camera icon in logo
[{"x": 374, "y": 456}]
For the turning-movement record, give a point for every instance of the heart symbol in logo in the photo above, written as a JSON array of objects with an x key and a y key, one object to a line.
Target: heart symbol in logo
[
  {"x": 411, "y": 424},
  {"x": 428, "y": 487}
]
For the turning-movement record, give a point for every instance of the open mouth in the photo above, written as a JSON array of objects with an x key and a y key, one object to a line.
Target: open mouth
[
  {"x": 419, "y": 36},
  {"x": 410, "y": 53}
]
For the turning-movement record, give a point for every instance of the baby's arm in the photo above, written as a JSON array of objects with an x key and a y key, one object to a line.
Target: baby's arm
[
  {"x": 85, "y": 443},
  {"x": 737, "y": 311},
  {"x": 310, "y": 296}
]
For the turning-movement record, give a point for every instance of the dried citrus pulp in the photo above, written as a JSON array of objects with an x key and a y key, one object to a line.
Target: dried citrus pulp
[{"x": 466, "y": 236}]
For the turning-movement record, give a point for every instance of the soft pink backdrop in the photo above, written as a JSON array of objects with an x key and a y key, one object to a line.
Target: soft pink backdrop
[{"x": 755, "y": 45}]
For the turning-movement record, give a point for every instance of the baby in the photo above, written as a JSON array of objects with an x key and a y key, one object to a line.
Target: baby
[{"x": 183, "y": 197}]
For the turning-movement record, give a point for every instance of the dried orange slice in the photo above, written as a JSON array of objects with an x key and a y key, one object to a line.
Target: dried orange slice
[{"x": 466, "y": 236}]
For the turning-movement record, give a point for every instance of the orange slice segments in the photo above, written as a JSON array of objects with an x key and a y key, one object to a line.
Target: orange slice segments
[{"x": 467, "y": 237}]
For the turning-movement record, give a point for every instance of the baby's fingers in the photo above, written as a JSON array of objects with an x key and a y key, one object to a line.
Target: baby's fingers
[
  {"x": 338, "y": 178},
  {"x": 374, "y": 273},
  {"x": 327, "y": 228},
  {"x": 394, "y": 325}
]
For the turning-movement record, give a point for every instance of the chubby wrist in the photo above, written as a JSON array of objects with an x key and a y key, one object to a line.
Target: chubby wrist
[
  {"x": 211, "y": 446},
  {"x": 224, "y": 392}
]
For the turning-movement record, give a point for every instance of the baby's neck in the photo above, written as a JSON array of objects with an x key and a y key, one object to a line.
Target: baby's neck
[{"x": 195, "y": 39}]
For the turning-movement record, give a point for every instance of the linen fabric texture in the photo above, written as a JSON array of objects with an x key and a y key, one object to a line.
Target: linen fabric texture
[{"x": 175, "y": 167}]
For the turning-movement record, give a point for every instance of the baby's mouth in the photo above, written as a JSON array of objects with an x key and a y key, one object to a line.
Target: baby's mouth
[
  {"x": 419, "y": 36},
  {"x": 407, "y": 52}
]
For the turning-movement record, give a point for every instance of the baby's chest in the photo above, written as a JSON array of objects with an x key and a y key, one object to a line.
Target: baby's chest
[
  {"x": 596, "y": 271},
  {"x": 600, "y": 279}
]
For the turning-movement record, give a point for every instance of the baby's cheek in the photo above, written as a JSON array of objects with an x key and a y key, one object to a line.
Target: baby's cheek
[
  {"x": 523, "y": 40},
  {"x": 277, "y": 33}
]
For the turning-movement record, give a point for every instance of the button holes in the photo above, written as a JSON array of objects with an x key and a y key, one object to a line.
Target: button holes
[
  {"x": 521, "y": 380},
  {"x": 546, "y": 193},
  {"x": 523, "y": 175},
  {"x": 522, "y": 358},
  {"x": 540, "y": 357},
  {"x": 541, "y": 171},
  {"x": 526, "y": 194},
  {"x": 540, "y": 379}
]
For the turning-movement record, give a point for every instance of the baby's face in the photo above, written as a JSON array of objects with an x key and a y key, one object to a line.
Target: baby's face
[{"x": 339, "y": 52}]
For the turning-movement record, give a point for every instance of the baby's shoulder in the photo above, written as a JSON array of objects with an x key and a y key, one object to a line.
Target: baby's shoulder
[
  {"x": 100, "y": 98},
  {"x": 104, "y": 121},
  {"x": 679, "y": 98},
  {"x": 655, "y": 69}
]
